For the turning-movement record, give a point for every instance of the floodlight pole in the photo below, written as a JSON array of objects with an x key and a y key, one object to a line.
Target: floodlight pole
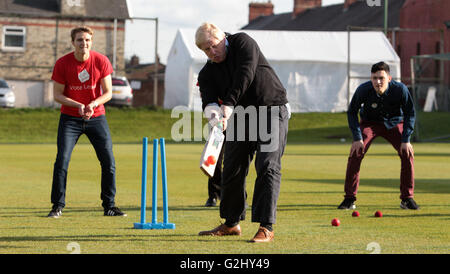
[
  {"x": 385, "y": 17},
  {"x": 115, "y": 47},
  {"x": 441, "y": 68},
  {"x": 348, "y": 65},
  {"x": 413, "y": 91},
  {"x": 155, "y": 76}
]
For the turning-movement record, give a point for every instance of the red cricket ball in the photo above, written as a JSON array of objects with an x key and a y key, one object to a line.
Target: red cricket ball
[
  {"x": 211, "y": 160},
  {"x": 378, "y": 214},
  {"x": 355, "y": 214},
  {"x": 335, "y": 222}
]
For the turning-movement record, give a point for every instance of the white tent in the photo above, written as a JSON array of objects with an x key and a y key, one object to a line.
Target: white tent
[{"x": 311, "y": 65}]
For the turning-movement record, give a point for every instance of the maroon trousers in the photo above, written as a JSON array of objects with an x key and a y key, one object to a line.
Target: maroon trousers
[{"x": 371, "y": 130}]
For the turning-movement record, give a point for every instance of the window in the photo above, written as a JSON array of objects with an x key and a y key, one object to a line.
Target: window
[
  {"x": 437, "y": 63},
  {"x": 74, "y": 3},
  {"x": 13, "y": 38},
  {"x": 437, "y": 48}
]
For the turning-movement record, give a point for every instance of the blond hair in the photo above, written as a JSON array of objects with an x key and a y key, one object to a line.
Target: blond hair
[
  {"x": 206, "y": 31},
  {"x": 86, "y": 29}
]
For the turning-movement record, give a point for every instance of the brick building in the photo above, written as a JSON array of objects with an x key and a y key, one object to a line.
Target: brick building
[
  {"x": 142, "y": 77},
  {"x": 409, "y": 24},
  {"x": 430, "y": 15},
  {"x": 34, "y": 34}
]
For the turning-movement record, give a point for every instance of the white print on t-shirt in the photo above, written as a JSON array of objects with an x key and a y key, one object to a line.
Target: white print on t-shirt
[
  {"x": 82, "y": 87},
  {"x": 83, "y": 76}
]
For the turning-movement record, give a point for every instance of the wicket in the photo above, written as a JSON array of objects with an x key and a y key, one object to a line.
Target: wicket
[{"x": 154, "y": 224}]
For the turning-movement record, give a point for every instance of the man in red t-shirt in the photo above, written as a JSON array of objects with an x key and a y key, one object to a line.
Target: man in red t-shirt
[{"x": 82, "y": 84}]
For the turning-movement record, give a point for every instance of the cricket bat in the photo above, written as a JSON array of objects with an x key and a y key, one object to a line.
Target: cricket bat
[{"x": 211, "y": 151}]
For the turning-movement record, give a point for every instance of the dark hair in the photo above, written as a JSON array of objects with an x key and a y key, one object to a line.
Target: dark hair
[
  {"x": 86, "y": 29},
  {"x": 380, "y": 66}
]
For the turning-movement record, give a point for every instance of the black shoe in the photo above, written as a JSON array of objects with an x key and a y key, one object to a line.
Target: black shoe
[
  {"x": 211, "y": 202},
  {"x": 114, "y": 211},
  {"x": 56, "y": 212},
  {"x": 348, "y": 203},
  {"x": 409, "y": 203}
]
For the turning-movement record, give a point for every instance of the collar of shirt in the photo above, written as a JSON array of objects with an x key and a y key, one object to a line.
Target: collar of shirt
[
  {"x": 386, "y": 92},
  {"x": 226, "y": 44}
]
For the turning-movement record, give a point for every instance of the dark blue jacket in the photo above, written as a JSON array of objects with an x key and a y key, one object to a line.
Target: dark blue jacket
[
  {"x": 391, "y": 108},
  {"x": 245, "y": 78}
]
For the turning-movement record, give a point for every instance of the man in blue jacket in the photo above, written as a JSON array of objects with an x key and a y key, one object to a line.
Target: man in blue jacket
[{"x": 386, "y": 109}]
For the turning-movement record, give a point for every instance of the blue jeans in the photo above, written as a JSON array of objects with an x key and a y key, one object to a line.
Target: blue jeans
[{"x": 69, "y": 131}]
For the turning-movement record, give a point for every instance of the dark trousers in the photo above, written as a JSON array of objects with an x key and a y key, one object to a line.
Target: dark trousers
[
  {"x": 97, "y": 130},
  {"x": 371, "y": 130},
  {"x": 237, "y": 158}
]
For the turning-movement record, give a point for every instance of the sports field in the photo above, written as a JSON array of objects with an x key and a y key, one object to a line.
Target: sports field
[{"x": 312, "y": 188}]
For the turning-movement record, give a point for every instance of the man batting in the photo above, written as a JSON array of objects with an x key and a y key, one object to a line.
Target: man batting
[{"x": 237, "y": 76}]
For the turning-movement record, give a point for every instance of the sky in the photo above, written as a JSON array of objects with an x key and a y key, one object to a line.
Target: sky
[{"x": 229, "y": 15}]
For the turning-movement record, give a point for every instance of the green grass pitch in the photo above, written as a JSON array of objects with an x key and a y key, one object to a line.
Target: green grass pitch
[{"x": 311, "y": 190}]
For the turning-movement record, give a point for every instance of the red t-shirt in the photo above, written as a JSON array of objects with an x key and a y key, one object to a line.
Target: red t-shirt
[{"x": 81, "y": 80}]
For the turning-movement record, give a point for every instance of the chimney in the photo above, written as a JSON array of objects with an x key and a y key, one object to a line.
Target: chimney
[
  {"x": 302, "y": 5},
  {"x": 73, "y": 7},
  {"x": 134, "y": 61},
  {"x": 259, "y": 9},
  {"x": 347, "y": 3}
]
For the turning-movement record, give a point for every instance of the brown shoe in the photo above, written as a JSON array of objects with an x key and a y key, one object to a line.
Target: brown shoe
[
  {"x": 222, "y": 230},
  {"x": 262, "y": 236}
]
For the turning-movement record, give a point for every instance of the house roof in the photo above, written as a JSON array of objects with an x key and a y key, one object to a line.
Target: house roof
[
  {"x": 331, "y": 18},
  {"x": 51, "y": 8},
  {"x": 114, "y": 8},
  {"x": 143, "y": 71}
]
